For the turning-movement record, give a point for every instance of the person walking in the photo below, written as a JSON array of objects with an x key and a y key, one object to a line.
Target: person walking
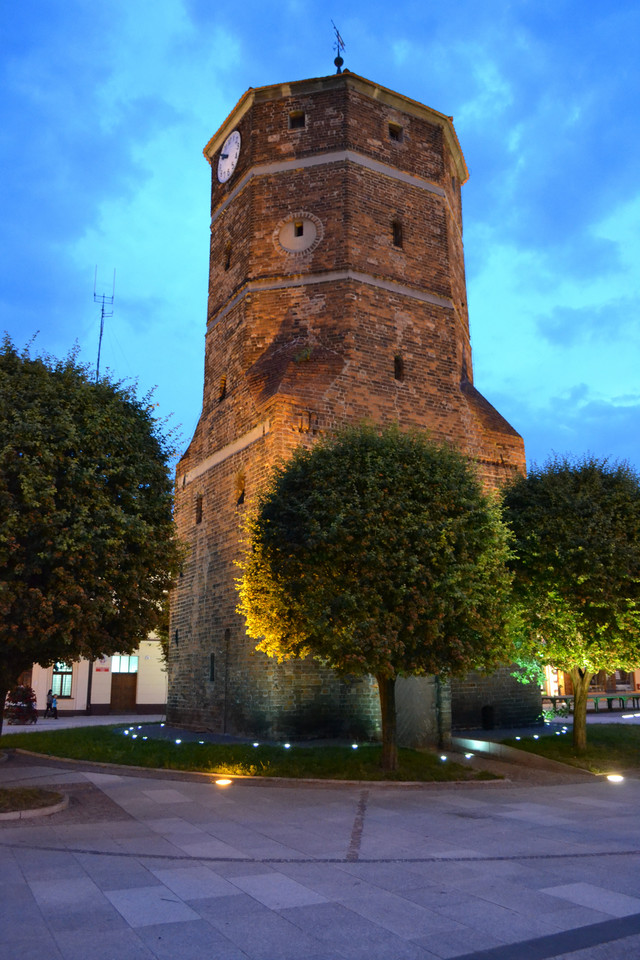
[{"x": 49, "y": 709}]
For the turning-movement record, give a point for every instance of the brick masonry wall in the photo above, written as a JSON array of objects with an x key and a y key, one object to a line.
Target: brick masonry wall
[
  {"x": 495, "y": 701},
  {"x": 301, "y": 350}
]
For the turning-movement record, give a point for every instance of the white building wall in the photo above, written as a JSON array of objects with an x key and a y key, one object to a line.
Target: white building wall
[{"x": 151, "y": 689}]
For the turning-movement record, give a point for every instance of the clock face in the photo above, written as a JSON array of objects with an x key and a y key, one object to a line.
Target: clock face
[{"x": 229, "y": 156}]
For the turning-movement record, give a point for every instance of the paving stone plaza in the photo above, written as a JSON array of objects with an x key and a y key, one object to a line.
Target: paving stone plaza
[{"x": 543, "y": 865}]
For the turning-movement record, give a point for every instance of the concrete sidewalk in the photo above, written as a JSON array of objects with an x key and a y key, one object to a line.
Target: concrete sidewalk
[
  {"x": 157, "y": 868},
  {"x": 68, "y": 723}
]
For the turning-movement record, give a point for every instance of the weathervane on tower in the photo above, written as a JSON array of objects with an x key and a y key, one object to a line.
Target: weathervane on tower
[{"x": 338, "y": 47}]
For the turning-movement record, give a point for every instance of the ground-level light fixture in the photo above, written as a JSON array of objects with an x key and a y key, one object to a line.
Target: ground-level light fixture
[
  {"x": 223, "y": 783},
  {"x": 615, "y": 778}
]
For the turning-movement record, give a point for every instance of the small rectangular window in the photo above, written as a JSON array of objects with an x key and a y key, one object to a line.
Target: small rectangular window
[
  {"x": 398, "y": 367},
  {"x": 298, "y": 228},
  {"x": 199, "y": 508},
  {"x": 297, "y": 120},
  {"x": 61, "y": 681},
  {"x": 395, "y": 132},
  {"x": 396, "y": 228},
  {"x": 124, "y": 664}
]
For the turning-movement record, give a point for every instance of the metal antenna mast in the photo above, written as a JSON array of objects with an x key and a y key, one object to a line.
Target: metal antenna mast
[
  {"x": 338, "y": 46},
  {"x": 105, "y": 302}
]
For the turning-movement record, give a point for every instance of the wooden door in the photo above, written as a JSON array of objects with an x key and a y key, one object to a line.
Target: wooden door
[{"x": 123, "y": 692}]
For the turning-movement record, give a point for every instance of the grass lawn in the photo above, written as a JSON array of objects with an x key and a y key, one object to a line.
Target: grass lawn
[
  {"x": 26, "y": 798},
  {"x": 110, "y": 745},
  {"x": 611, "y": 748}
]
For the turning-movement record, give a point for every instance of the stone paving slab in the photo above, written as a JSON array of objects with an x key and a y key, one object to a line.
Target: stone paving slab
[{"x": 159, "y": 868}]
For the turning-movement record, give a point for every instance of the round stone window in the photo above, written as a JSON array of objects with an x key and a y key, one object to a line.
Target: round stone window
[{"x": 298, "y": 234}]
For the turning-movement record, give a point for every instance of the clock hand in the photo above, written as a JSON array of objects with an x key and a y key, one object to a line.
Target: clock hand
[{"x": 223, "y": 156}]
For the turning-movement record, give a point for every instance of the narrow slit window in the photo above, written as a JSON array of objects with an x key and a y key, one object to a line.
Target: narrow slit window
[
  {"x": 398, "y": 367},
  {"x": 395, "y": 132},
  {"x": 227, "y": 255},
  {"x": 223, "y": 388},
  {"x": 212, "y": 667},
  {"x": 298, "y": 228},
  {"x": 240, "y": 482},
  {"x": 396, "y": 230},
  {"x": 297, "y": 120},
  {"x": 199, "y": 508}
]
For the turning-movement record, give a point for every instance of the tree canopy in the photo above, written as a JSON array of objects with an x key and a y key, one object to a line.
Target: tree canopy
[
  {"x": 87, "y": 543},
  {"x": 577, "y": 569},
  {"x": 377, "y": 552}
]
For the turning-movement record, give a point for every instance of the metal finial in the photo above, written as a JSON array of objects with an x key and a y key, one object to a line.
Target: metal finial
[{"x": 338, "y": 46}]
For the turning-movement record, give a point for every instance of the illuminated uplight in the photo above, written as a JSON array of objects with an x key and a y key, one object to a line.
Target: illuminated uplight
[
  {"x": 200, "y": 741},
  {"x": 223, "y": 783},
  {"x": 518, "y": 738},
  {"x": 139, "y": 728},
  {"x": 615, "y": 778},
  {"x": 354, "y": 746},
  {"x": 126, "y": 733},
  {"x": 134, "y": 736},
  {"x": 162, "y": 724},
  {"x": 468, "y": 756},
  {"x": 256, "y": 744},
  {"x": 145, "y": 738},
  {"x": 536, "y": 737},
  {"x": 443, "y": 756},
  {"x": 287, "y": 746},
  {"x": 178, "y": 741}
]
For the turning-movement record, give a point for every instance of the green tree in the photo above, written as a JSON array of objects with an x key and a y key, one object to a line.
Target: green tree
[
  {"x": 378, "y": 553},
  {"x": 87, "y": 543},
  {"x": 577, "y": 570}
]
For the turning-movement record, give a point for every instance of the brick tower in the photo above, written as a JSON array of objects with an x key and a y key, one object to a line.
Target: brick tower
[{"x": 336, "y": 295}]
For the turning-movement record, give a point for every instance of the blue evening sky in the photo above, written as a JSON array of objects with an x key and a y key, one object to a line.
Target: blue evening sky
[{"x": 107, "y": 104}]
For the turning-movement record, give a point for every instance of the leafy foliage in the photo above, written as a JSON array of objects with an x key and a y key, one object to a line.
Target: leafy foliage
[
  {"x": 87, "y": 546},
  {"x": 20, "y": 705},
  {"x": 378, "y": 553},
  {"x": 577, "y": 571}
]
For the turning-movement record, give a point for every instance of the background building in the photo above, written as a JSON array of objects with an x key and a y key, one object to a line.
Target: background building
[
  {"x": 117, "y": 684},
  {"x": 337, "y": 294}
]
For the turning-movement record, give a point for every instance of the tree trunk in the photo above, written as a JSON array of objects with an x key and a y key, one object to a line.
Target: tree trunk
[
  {"x": 581, "y": 680},
  {"x": 387, "y": 692},
  {"x": 3, "y": 697}
]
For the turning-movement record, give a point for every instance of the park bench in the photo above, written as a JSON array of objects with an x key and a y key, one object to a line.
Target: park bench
[{"x": 621, "y": 699}]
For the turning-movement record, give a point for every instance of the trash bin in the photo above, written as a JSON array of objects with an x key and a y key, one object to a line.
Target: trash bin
[{"x": 488, "y": 714}]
